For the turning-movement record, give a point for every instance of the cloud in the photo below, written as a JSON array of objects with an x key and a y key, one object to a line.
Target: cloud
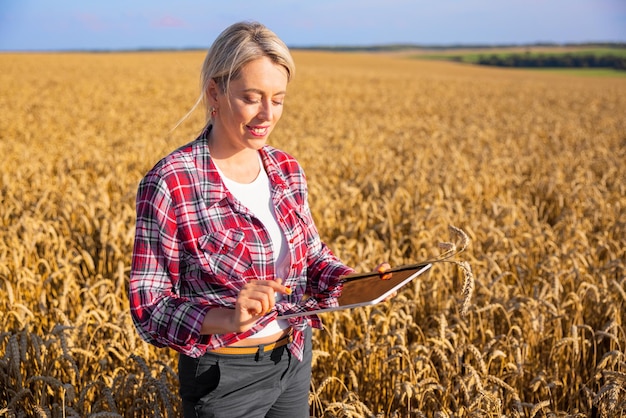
[{"x": 169, "y": 21}]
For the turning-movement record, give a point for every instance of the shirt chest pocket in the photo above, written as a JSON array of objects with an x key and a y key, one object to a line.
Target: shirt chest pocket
[{"x": 227, "y": 255}]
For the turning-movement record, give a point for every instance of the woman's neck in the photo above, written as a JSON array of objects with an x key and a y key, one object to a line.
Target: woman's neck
[{"x": 242, "y": 165}]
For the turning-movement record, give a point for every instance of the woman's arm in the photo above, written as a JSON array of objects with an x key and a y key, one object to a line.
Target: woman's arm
[{"x": 161, "y": 316}]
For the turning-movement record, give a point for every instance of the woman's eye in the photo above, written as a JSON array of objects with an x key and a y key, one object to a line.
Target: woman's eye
[
  {"x": 278, "y": 100},
  {"x": 252, "y": 100},
  {"x": 257, "y": 100}
]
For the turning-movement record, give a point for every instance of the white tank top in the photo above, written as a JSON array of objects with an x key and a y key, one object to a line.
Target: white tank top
[{"x": 257, "y": 198}]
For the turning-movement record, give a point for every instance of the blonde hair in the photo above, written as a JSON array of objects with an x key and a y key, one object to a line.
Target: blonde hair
[{"x": 236, "y": 46}]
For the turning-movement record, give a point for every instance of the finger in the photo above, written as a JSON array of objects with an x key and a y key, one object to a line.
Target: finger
[
  {"x": 263, "y": 291},
  {"x": 256, "y": 298},
  {"x": 283, "y": 289},
  {"x": 382, "y": 268},
  {"x": 277, "y": 285},
  {"x": 248, "y": 311},
  {"x": 391, "y": 296},
  {"x": 266, "y": 298},
  {"x": 246, "y": 317}
]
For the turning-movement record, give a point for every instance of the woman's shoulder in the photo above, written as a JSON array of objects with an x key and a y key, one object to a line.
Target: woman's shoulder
[{"x": 180, "y": 159}]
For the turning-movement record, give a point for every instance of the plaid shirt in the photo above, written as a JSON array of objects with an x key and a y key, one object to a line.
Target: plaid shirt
[{"x": 196, "y": 246}]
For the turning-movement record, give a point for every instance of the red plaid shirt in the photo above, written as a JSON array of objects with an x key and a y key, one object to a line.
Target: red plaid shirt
[{"x": 196, "y": 246}]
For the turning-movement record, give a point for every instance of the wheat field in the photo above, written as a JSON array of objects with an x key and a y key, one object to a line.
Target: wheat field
[{"x": 530, "y": 165}]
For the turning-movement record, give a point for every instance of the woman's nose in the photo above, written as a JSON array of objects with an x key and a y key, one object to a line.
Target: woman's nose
[{"x": 265, "y": 112}]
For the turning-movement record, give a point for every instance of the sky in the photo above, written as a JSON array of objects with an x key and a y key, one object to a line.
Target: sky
[{"x": 47, "y": 25}]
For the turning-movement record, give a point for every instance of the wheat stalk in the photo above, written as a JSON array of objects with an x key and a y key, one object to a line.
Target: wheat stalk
[{"x": 450, "y": 249}]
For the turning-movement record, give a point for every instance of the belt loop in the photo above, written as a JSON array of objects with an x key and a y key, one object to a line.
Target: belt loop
[{"x": 260, "y": 353}]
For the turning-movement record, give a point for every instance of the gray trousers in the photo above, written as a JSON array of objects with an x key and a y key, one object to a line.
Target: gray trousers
[{"x": 272, "y": 384}]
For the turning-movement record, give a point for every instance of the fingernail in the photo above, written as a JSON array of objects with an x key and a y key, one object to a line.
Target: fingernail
[{"x": 288, "y": 290}]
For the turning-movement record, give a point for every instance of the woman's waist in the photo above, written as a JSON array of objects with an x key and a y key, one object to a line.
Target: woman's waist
[
  {"x": 250, "y": 341},
  {"x": 274, "y": 331}
]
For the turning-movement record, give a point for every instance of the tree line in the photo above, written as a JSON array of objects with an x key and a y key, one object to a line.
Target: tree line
[{"x": 554, "y": 60}]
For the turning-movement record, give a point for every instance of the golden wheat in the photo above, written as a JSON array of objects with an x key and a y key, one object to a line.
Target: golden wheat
[{"x": 529, "y": 166}]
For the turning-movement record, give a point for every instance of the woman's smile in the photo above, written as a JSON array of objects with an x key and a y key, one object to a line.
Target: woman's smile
[{"x": 259, "y": 131}]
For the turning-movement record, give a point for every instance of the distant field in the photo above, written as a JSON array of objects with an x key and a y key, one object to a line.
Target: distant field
[{"x": 531, "y": 165}]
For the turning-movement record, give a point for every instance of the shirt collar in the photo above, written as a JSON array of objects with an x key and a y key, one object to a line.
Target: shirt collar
[
  {"x": 213, "y": 188},
  {"x": 275, "y": 175}
]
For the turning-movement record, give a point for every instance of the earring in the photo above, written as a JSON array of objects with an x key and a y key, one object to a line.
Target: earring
[{"x": 213, "y": 111}]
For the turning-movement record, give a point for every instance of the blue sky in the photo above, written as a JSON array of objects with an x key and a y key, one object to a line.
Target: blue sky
[{"x": 131, "y": 24}]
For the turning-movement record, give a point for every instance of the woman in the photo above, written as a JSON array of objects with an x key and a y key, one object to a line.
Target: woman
[{"x": 225, "y": 242}]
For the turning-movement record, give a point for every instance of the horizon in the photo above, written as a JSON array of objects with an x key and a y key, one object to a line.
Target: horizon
[{"x": 346, "y": 48}]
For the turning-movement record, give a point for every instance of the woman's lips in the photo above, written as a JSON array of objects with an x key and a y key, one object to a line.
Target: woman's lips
[{"x": 259, "y": 131}]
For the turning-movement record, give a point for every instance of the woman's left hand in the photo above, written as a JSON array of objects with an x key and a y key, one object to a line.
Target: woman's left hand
[{"x": 382, "y": 268}]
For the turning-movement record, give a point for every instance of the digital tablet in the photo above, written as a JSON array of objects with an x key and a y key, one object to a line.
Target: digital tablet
[{"x": 363, "y": 289}]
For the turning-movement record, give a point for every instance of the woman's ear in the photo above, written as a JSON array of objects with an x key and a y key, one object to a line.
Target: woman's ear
[{"x": 212, "y": 92}]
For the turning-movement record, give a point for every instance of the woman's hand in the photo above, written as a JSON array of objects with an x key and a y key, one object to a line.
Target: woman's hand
[
  {"x": 256, "y": 299},
  {"x": 382, "y": 268}
]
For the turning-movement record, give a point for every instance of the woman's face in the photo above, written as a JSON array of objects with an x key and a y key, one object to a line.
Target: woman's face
[{"x": 247, "y": 113}]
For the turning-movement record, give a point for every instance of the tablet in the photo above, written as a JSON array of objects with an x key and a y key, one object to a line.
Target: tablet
[{"x": 363, "y": 289}]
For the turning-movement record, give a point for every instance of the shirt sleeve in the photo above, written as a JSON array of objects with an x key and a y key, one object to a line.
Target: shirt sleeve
[{"x": 161, "y": 316}]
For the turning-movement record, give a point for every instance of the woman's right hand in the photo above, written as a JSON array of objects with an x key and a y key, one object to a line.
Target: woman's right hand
[{"x": 255, "y": 300}]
